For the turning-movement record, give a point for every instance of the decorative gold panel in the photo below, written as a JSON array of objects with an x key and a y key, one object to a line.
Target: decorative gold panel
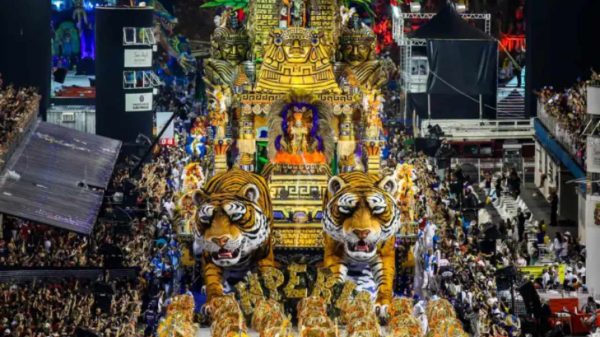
[{"x": 299, "y": 198}]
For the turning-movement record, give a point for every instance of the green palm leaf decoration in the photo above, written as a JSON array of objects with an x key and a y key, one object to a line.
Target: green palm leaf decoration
[
  {"x": 235, "y": 4},
  {"x": 364, "y": 4}
]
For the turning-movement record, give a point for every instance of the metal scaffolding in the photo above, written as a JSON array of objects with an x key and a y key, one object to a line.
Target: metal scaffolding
[
  {"x": 406, "y": 43},
  {"x": 400, "y": 19}
]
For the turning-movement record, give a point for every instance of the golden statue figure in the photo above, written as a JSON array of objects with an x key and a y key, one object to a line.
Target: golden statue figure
[
  {"x": 299, "y": 132},
  {"x": 373, "y": 105},
  {"x": 357, "y": 55},
  {"x": 218, "y": 106},
  {"x": 230, "y": 46},
  {"x": 294, "y": 13}
]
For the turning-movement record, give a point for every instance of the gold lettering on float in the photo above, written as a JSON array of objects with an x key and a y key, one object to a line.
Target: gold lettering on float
[
  {"x": 325, "y": 281},
  {"x": 273, "y": 279},
  {"x": 249, "y": 293},
  {"x": 345, "y": 295},
  {"x": 255, "y": 288},
  {"x": 290, "y": 289},
  {"x": 245, "y": 301}
]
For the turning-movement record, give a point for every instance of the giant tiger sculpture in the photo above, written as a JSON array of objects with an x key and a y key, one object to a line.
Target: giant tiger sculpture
[
  {"x": 360, "y": 220},
  {"x": 232, "y": 225}
]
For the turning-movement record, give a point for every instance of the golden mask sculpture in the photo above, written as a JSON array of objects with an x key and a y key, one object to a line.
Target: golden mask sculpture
[
  {"x": 297, "y": 58},
  {"x": 357, "y": 56},
  {"x": 229, "y": 47}
]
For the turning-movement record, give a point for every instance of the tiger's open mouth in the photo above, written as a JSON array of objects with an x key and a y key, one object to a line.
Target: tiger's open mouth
[
  {"x": 361, "y": 246},
  {"x": 225, "y": 254}
]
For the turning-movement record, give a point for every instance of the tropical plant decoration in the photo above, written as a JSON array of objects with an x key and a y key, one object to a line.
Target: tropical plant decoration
[
  {"x": 382, "y": 25},
  {"x": 363, "y": 4},
  {"x": 234, "y": 4}
]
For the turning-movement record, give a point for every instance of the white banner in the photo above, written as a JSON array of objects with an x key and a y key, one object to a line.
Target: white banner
[
  {"x": 593, "y": 100},
  {"x": 593, "y": 154},
  {"x": 168, "y": 136},
  {"x": 138, "y": 58},
  {"x": 138, "y": 102}
]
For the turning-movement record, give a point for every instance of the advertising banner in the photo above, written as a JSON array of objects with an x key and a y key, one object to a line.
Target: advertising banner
[
  {"x": 536, "y": 271},
  {"x": 138, "y": 102},
  {"x": 138, "y": 58}
]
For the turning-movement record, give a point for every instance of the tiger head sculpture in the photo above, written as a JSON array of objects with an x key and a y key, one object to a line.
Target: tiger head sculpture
[
  {"x": 232, "y": 225},
  {"x": 360, "y": 220}
]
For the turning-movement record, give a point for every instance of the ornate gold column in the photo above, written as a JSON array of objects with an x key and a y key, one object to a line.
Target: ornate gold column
[
  {"x": 373, "y": 151},
  {"x": 246, "y": 141},
  {"x": 346, "y": 143},
  {"x": 221, "y": 146}
]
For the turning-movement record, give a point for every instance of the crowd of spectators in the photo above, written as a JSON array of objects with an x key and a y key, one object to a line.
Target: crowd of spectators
[
  {"x": 113, "y": 243},
  {"x": 136, "y": 228},
  {"x": 461, "y": 249},
  {"x": 18, "y": 108},
  {"x": 146, "y": 241},
  {"x": 568, "y": 110},
  {"x": 25, "y": 244},
  {"x": 399, "y": 143},
  {"x": 59, "y": 307}
]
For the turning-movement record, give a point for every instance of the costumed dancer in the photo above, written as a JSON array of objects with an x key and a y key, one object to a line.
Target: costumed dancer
[
  {"x": 79, "y": 14},
  {"x": 193, "y": 178},
  {"x": 196, "y": 141},
  {"x": 420, "y": 313}
]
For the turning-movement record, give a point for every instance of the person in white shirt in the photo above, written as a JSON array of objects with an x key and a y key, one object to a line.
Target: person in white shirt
[
  {"x": 554, "y": 275},
  {"x": 580, "y": 270},
  {"x": 520, "y": 261},
  {"x": 557, "y": 245},
  {"x": 47, "y": 245},
  {"x": 564, "y": 252},
  {"x": 419, "y": 313},
  {"x": 570, "y": 276},
  {"x": 545, "y": 278},
  {"x": 169, "y": 206},
  {"x": 176, "y": 177}
]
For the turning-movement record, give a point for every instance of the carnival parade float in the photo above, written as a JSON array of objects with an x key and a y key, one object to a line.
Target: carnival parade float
[{"x": 297, "y": 225}]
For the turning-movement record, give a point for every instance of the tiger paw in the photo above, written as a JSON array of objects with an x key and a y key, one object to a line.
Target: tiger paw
[
  {"x": 339, "y": 277},
  {"x": 205, "y": 310},
  {"x": 381, "y": 310}
]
